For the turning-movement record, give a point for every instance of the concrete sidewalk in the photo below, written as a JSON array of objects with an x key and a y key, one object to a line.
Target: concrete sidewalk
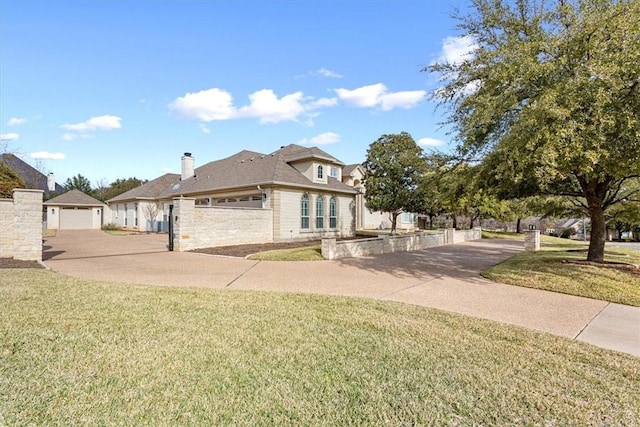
[{"x": 445, "y": 278}]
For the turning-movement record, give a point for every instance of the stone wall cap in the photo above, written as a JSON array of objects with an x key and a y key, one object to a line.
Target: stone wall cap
[{"x": 27, "y": 190}]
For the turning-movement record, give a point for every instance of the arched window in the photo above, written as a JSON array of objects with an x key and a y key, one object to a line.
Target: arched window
[
  {"x": 320, "y": 172},
  {"x": 304, "y": 212},
  {"x": 333, "y": 213},
  {"x": 320, "y": 212}
]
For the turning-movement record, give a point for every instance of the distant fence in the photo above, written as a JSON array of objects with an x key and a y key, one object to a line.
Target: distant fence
[{"x": 384, "y": 244}]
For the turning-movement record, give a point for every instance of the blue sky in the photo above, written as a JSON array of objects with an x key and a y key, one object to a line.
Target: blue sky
[{"x": 115, "y": 89}]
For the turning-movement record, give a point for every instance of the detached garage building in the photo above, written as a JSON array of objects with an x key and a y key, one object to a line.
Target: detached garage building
[{"x": 74, "y": 210}]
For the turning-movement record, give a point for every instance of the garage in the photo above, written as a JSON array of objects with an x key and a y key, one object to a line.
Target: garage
[
  {"x": 74, "y": 210},
  {"x": 76, "y": 218}
]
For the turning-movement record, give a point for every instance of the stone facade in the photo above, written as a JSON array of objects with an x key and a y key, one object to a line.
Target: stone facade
[
  {"x": 197, "y": 227},
  {"x": 333, "y": 249},
  {"x": 21, "y": 225}
]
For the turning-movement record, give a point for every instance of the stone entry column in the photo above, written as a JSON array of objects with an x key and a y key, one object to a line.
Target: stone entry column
[{"x": 532, "y": 240}]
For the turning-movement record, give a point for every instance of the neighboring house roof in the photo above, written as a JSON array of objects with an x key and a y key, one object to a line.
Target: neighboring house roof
[
  {"x": 348, "y": 169},
  {"x": 241, "y": 170},
  {"x": 32, "y": 177},
  {"x": 153, "y": 189},
  {"x": 73, "y": 198}
]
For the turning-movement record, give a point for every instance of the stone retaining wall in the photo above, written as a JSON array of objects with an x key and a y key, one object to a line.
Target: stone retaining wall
[
  {"x": 21, "y": 225},
  {"x": 197, "y": 227},
  {"x": 335, "y": 249}
]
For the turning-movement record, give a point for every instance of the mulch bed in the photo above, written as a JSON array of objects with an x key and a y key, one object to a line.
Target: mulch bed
[
  {"x": 242, "y": 251},
  {"x": 16, "y": 263}
]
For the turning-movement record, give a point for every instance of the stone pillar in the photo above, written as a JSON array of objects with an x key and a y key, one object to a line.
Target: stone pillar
[
  {"x": 329, "y": 248},
  {"x": 27, "y": 224},
  {"x": 449, "y": 235},
  {"x": 183, "y": 223},
  {"x": 532, "y": 240},
  {"x": 386, "y": 243}
]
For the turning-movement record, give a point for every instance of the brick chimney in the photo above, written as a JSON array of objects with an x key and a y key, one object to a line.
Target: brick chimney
[{"x": 188, "y": 163}]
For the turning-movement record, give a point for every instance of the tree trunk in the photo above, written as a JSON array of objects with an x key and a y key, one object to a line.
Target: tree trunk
[
  {"x": 518, "y": 225},
  {"x": 597, "y": 235},
  {"x": 455, "y": 221},
  {"x": 431, "y": 222},
  {"x": 394, "y": 221},
  {"x": 595, "y": 192}
]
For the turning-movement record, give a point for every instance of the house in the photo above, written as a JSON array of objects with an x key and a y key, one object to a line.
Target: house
[
  {"x": 32, "y": 177},
  {"x": 74, "y": 210},
  {"x": 366, "y": 219},
  {"x": 294, "y": 193}
]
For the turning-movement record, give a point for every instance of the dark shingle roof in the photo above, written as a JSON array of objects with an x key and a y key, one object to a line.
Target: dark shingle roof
[
  {"x": 32, "y": 177},
  {"x": 74, "y": 198},
  {"x": 241, "y": 170},
  {"x": 250, "y": 169},
  {"x": 153, "y": 189}
]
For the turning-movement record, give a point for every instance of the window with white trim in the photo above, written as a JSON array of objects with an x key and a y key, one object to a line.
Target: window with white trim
[
  {"x": 320, "y": 172},
  {"x": 304, "y": 212},
  {"x": 320, "y": 212},
  {"x": 333, "y": 213}
]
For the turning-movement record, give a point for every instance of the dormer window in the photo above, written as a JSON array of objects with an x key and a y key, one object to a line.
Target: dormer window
[
  {"x": 320, "y": 172},
  {"x": 333, "y": 172}
]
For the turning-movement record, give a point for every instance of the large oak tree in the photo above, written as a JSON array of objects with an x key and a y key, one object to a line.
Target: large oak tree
[
  {"x": 393, "y": 170},
  {"x": 553, "y": 86}
]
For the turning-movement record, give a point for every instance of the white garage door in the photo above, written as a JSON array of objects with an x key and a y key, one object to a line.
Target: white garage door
[{"x": 76, "y": 219}]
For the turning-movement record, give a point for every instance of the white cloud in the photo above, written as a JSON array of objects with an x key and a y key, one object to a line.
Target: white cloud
[
  {"x": 16, "y": 121},
  {"x": 217, "y": 104},
  {"x": 328, "y": 73},
  {"x": 204, "y": 128},
  {"x": 431, "y": 142},
  {"x": 104, "y": 123},
  {"x": 69, "y": 136},
  {"x": 456, "y": 50},
  {"x": 377, "y": 95},
  {"x": 47, "y": 155},
  {"x": 9, "y": 137},
  {"x": 266, "y": 106},
  {"x": 322, "y": 139},
  {"x": 206, "y": 105}
]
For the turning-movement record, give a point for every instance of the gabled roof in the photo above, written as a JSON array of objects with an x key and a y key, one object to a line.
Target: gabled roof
[
  {"x": 244, "y": 169},
  {"x": 348, "y": 169},
  {"x": 153, "y": 189},
  {"x": 250, "y": 169},
  {"x": 293, "y": 153},
  {"x": 73, "y": 198},
  {"x": 32, "y": 177}
]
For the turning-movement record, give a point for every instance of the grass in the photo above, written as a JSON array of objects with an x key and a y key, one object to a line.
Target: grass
[
  {"x": 80, "y": 352},
  {"x": 546, "y": 270},
  {"x": 309, "y": 253},
  {"x": 49, "y": 233}
]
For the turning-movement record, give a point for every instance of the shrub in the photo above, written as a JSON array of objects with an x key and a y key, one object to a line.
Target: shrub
[{"x": 110, "y": 226}]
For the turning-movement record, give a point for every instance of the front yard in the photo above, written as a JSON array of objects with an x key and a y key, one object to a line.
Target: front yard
[
  {"x": 552, "y": 269},
  {"x": 93, "y": 353}
]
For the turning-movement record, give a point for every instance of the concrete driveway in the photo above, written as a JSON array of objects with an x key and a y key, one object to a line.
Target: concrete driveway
[
  {"x": 74, "y": 244},
  {"x": 446, "y": 278}
]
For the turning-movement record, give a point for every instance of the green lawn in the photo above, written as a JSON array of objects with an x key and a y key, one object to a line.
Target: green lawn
[
  {"x": 75, "y": 352},
  {"x": 546, "y": 269}
]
